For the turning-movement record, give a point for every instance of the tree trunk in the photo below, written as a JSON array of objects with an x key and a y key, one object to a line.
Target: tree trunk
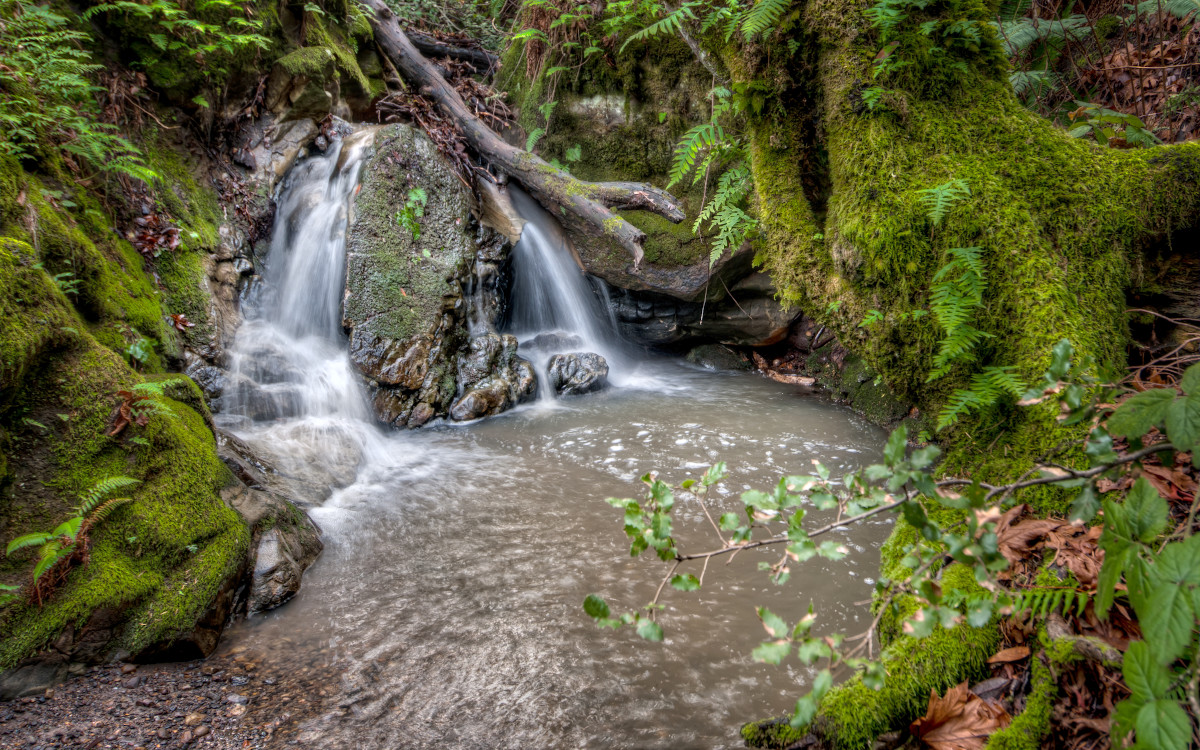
[{"x": 587, "y": 205}]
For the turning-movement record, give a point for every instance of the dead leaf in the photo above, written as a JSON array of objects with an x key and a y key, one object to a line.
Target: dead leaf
[
  {"x": 959, "y": 721},
  {"x": 1016, "y": 653}
]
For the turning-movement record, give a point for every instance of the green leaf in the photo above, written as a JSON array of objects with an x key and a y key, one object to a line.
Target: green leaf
[
  {"x": 28, "y": 540},
  {"x": 772, "y": 623},
  {"x": 1147, "y": 511},
  {"x": 772, "y": 652},
  {"x": 729, "y": 521},
  {"x": 1145, "y": 677},
  {"x": 1163, "y": 725},
  {"x": 897, "y": 442},
  {"x": 650, "y": 630},
  {"x": 1140, "y": 412},
  {"x": 1191, "y": 380},
  {"x": 1167, "y": 620},
  {"x": 1086, "y": 504},
  {"x": 686, "y": 582},
  {"x": 1183, "y": 422},
  {"x": 595, "y": 607}
]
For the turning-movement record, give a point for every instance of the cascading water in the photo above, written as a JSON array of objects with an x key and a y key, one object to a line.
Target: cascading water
[
  {"x": 445, "y": 610},
  {"x": 554, "y": 307},
  {"x": 293, "y": 392}
]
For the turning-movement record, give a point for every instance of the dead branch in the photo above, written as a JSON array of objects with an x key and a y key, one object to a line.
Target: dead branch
[{"x": 587, "y": 206}]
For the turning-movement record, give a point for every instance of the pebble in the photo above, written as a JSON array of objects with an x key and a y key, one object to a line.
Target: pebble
[
  {"x": 237, "y": 698},
  {"x": 193, "y": 719}
]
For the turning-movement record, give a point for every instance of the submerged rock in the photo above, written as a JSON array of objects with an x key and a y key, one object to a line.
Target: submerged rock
[{"x": 577, "y": 373}]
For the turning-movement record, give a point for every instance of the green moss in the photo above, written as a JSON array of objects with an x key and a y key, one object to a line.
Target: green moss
[
  {"x": 1059, "y": 221},
  {"x": 1031, "y": 726},
  {"x": 163, "y": 557},
  {"x": 395, "y": 290},
  {"x": 327, "y": 40},
  {"x": 852, "y": 714},
  {"x": 777, "y": 734}
]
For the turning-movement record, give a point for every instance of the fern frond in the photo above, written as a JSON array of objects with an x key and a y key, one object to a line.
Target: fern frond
[
  {"x": 90, "y": 499},
  {"x": 28, "y": 540},
  {"x": 1019, "y": 35},
  {"x": 51, "y": 554},
  {"x": 1041, "y": 602},
  {"x": 940, "y": 199},
  {"x": 987, "y": 388},
  {"x": 669, "y": 24},
  {"x": 762, "y": 16},
  {"x": 106, "y": 509},
  {"x": 1178, "y": 8},
  {"x": 705, "y": 135}
]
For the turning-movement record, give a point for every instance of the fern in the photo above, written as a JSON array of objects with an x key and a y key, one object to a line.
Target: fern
[
  {"x": 940, "y": 199},
  {"x": 723, "y": 213},
  {"x": 987, "y": 388},
  {"x": 669, "y": 24},
  {"x": 762, "y": 16},
  {"x": 1178, "y": 8},
  {"x": 696, "y": 140},
  {"x": 106, "y": 508},
  {"x": 1023, "y": 33},
  {"x": 1041, "y": 602},
  {"x": 90, "y": 499},
  {"x": 956, "y": 294}
]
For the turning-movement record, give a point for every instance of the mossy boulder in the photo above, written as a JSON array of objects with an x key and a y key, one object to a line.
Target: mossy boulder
[
  {"x": 412, "y": 249},
  {"x": 160, "y": 572}
]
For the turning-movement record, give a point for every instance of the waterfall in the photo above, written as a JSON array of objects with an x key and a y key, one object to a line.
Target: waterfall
[
  {"x": 293, "y": 392},
  {"x": 554, "y": 306}
]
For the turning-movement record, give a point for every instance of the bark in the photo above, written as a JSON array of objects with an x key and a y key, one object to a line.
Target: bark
[
  {"x": 587, "y": 205},
  {"x": 482, "y": 60}
]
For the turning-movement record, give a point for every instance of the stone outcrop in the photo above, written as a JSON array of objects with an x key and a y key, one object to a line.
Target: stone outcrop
[
  {"x": 284, "y": 540},
  {"x": 421, "y": 301}
]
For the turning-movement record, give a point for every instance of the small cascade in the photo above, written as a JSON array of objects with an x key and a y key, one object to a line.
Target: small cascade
[
  {"x": 293, "y": 392},
  {"x": 555, "y": 308}
]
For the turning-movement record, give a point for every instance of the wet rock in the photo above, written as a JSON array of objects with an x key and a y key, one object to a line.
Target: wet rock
[
  {"x": 493, "y": 377},
  {"x": 553, "y": 342},
  {"x": 577, "y": 373},
  {"x": 284, "y": 540},
  {"x": 718, "y": 357},
  {"x": 413, "y": 299}
]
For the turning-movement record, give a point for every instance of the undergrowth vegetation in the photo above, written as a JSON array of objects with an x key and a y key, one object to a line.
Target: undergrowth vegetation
[{"x": 1142, "y": 557}]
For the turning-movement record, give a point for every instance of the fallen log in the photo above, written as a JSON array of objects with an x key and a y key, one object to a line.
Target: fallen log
[
  {"x": 482, "y": 60},
  {"x": 587, "y": 206}
]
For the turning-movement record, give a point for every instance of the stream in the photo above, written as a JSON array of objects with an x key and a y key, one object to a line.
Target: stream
[{"x": 448, "y": 598}]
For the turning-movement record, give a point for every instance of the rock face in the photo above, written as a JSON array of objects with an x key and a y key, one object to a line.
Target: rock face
[
  {"x": 421, "y": 300},
  {"x": 577, "y": 373}
]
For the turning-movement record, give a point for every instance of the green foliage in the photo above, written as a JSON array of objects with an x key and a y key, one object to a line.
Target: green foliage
[
  {"x": 695, "y": 142},
  {"x": 410, "y": 213},
  {"x": 988, "y": 386},
  {"x": 940, "y": 199},
  {"x": 213, "y": 33},
  {"x": 1110, "y": 128},
  {"x": 954, "y": 298},
  {"x": 47, "y": 97},
  {"x": 723, "y": 212},
  {"x": 1160, "y": 576},
  {"x": 67, "y": 538}
]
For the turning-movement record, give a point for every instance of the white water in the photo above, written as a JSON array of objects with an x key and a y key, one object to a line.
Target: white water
[{"x": 448, "y": 596}]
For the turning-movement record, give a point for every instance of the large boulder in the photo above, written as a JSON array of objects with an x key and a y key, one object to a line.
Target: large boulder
[{"x": 415, "y": 293}]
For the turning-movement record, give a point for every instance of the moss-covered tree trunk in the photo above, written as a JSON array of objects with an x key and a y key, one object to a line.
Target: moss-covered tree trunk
[
  {"x": 1062, "y": 223},
  {"x": 1063, "y": 226}
]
